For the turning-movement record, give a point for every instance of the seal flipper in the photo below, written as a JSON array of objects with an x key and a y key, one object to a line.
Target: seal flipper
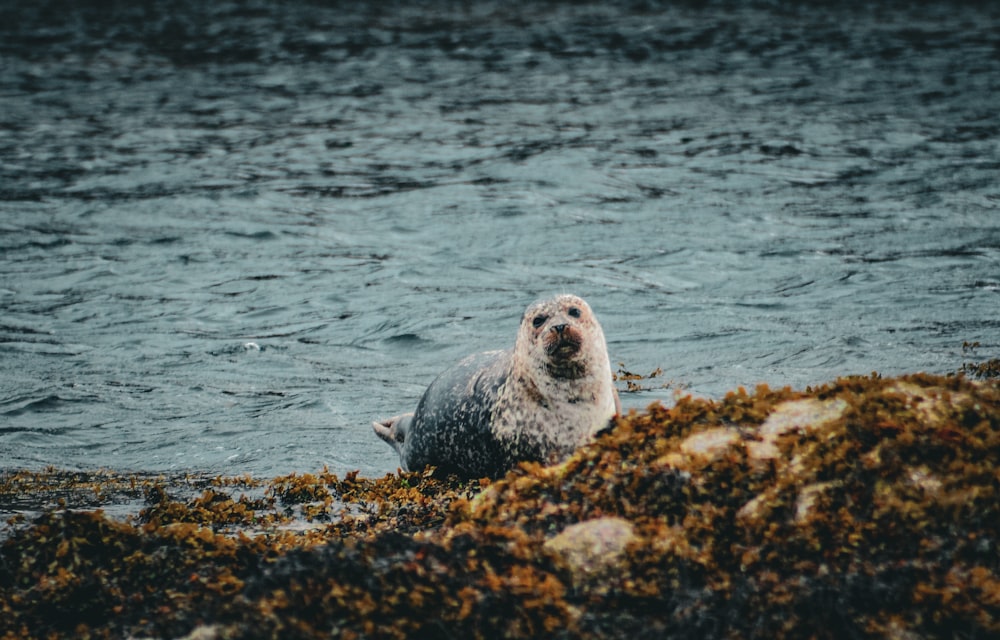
[{"x": 394, "y": 430}]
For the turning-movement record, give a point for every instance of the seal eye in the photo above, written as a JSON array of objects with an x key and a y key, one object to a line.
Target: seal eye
[
  {"x": 574, "y": 312},
  {"x": 539, "y": 321}
]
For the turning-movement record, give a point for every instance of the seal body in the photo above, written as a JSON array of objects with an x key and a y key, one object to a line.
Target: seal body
[{"x": 538, "y": 401}]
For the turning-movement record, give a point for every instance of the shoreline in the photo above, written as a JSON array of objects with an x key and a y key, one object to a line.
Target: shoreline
[{"x": 864, "y": 506}]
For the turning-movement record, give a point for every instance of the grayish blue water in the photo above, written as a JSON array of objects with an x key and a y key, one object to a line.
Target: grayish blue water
[{"x": 233, "y": 234}]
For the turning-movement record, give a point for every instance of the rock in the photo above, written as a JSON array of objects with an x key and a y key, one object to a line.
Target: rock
[
  {"x": 808, "y": 415},
  {"x": 710, "y": 444},
  {"x": 205, "y": 632},
  {"x": 594, "y": 546}
]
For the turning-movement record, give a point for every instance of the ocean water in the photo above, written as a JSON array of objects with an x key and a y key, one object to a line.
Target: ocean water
[{"x": 234, "y": 234}]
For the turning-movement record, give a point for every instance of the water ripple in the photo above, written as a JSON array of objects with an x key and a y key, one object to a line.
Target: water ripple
[{"x": 365, "y": 193}]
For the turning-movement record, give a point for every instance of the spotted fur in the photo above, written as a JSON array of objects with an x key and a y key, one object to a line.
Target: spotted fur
[{"x": 538, "y": 401}]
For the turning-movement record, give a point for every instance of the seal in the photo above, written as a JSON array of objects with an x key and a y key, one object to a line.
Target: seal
[{"x": 536, "y": 402}]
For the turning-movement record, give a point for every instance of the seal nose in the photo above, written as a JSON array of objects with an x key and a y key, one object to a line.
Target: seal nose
[{"x": 559, "y": 328}]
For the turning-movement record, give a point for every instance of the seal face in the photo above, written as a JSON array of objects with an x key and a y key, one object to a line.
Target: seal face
[{"x": 538, "y": 401}]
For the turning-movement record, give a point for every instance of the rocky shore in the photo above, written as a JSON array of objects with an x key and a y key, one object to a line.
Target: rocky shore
[{"x": 867, "y": 507}]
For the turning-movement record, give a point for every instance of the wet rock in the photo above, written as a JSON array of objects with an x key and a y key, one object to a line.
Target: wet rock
[
  {"x": 593, "y": 547},
  {"x": 807, "y": 415},
  {"x": 206, "y": 632},
  {"x": 710, "y": 444}
]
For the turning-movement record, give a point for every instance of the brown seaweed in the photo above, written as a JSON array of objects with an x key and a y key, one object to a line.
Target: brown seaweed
[{"x": 867, "y": 507}]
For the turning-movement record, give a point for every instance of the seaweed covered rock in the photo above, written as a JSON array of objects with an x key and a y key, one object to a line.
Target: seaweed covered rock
[
  {"x": 861, "y": 508},
  {"x": 867, "y": 507}
]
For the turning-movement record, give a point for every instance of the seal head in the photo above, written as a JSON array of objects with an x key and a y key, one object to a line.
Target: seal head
[{"x": 538, "y": 401}]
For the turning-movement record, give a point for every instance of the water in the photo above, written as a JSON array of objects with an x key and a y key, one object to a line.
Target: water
[{"x": 231, "y": 235}]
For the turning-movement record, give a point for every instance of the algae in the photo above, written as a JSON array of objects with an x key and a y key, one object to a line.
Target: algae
[{"x": 867, "y": 507}]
